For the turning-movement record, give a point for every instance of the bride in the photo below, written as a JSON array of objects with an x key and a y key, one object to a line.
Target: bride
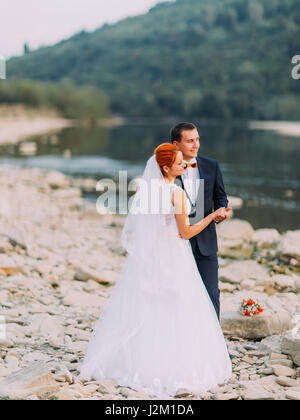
[{"x": 159, "y": 331}]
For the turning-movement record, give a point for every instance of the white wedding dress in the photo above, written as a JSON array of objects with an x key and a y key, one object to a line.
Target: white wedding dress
[{"x": 159, "y": 331}]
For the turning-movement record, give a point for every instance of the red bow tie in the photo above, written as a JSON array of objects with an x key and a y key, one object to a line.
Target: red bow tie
[{"x": 193, "y": 165}]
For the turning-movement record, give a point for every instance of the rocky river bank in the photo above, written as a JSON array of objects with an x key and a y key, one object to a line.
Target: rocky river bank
[{"x": 59, "y": 262}]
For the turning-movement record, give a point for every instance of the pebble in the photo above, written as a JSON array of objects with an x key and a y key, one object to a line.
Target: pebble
[
  {"x": 283, "y": 370},
  {"x": 285, "y": 381},
  {"x": 293, "y": 395}
]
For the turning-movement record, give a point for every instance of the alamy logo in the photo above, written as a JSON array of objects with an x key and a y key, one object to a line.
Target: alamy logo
[
  {"x": 2, "y": 67},
  {"x": 152, "y": 200},
  {"x": 296, "y": 69}
]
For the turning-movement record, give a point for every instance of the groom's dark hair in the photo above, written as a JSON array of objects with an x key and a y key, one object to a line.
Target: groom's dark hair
[{"x": 175, "y": 133}]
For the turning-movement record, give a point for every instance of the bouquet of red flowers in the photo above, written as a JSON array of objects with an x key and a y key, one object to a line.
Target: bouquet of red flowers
[{"x": 249, "y": 307}]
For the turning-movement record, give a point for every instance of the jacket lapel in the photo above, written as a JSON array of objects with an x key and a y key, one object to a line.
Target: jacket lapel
[
  {"x": 179, "y": 181},
  {"x": 201, "y": 176},
  {"x": 200, "y": 168}
]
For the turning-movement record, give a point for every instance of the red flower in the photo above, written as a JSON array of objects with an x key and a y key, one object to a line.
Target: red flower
[{"x": 247, "y": 313}]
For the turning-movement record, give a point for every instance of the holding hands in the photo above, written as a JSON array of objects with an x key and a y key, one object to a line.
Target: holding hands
[
  {"x": 217, "y": 216},
  {"x": 221, "y": 214}
]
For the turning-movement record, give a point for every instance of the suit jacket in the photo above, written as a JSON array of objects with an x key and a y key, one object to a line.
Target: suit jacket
[{"x": 212, "y": 189}]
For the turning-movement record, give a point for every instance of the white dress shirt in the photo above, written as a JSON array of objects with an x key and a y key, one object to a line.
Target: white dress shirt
[{"x": 191, "y": 180}]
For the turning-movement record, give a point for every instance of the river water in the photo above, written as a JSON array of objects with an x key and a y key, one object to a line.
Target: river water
[{"x": 260, "y": 166}]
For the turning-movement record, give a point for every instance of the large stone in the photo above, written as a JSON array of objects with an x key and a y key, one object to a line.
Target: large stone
[
  {"x": 280, "y": 370},
  {"x": 239, "y": 271},
  {"x": 290, "y": 345},
  {"x": 285, "y": 381},
  {"x": 234, "y": 239},
  {"x": 278, "y": 356},
  {"x": 273, "y": 320},
  {"x": 281, "y": 362},
  {"x": 289, "y": 246},
  {"x": 271, "y": 344},
  {"x": 259, "y": 326},
  {"x": 235, "y": 248},
  {"x": 258, "y": 394},
  {"x": 262, "y": 386},
  {"x": 285, "y": 283},
  {"x": 255, "y": 391},
  {"x": 266, "y": 238},
  {"x": 33, "y": 380},
  {"x": 293, "y": 395},
  {"x": 235, "y": 229}
]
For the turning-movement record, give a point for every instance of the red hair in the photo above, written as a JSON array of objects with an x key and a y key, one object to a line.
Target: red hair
[{"x": 166, "y": 154}]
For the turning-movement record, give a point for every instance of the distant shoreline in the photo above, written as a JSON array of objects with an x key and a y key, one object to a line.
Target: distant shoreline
[
  {"x": 18, "y": 122},
  {"x": 12, "y": 132}
]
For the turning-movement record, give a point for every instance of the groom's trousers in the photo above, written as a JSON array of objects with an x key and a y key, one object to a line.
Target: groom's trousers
[{"x": 208, "y": 268}]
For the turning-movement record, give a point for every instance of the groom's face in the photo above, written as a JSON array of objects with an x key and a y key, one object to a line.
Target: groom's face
[{"x": 189, "y": 144}]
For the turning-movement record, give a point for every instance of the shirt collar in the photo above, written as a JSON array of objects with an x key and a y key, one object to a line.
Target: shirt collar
[{"x": 191, "y": 161}]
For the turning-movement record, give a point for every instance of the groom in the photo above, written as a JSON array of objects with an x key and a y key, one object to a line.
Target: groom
[{"x": 204, "y": 245}]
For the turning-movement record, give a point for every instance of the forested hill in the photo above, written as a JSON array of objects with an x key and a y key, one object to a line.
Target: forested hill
[{"x": 216, "y": 58}]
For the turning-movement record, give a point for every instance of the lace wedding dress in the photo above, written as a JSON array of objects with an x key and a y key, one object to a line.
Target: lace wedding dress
[{"x": 159, "y": 331}]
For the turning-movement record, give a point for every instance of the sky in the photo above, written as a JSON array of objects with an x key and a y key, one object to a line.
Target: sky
[{"x": 45, "y": 22}]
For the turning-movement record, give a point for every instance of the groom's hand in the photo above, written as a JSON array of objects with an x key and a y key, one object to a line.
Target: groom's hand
[{"x": 225, "y": 214}]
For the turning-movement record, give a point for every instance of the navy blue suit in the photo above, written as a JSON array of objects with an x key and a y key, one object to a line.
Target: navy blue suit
[{"x": 205, "y": 244}]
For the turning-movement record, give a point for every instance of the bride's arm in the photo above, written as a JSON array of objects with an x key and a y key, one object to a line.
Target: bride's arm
[{"x": 186, "y": 230}]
